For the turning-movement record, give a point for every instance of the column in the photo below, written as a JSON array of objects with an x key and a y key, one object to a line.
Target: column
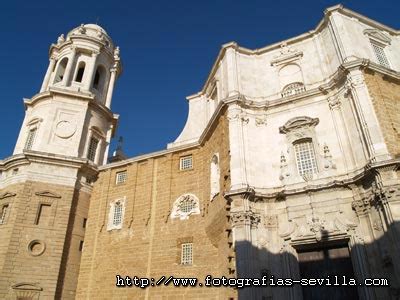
[
  {"x": 111, "y": 86},
  {"x": 48, "y": 74},
  {"x": 91, "y": 68},
  {"x": 108, "y": 139},
  {"x": 68, "y": 71}
]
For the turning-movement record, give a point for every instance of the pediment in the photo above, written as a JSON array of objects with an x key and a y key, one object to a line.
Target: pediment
[
  {"x": 298, "y": 122},
  {"x": 7, "y": 195},
  {"x": 378, "y": 36},
  {"x": 26, "y": 286},
  {"x": 47, "y": 194},
  {"x": 287, "y": 55}
]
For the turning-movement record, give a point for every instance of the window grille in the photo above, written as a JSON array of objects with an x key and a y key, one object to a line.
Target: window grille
[
  {"x": 186, "y": 162},
  {"x": 91, "y": 155},
  {"x": 293, "y": 89},
  {"x": 380, "y": 55},
  {"x": 121, "y": 177},
  {"x": 305, "y": 158},
  {"x": 117, "y": 218},
  {"x": 187, "y": 205},
  {"x": 187, "y": 254},
  {"x": 30, "y": 139}
]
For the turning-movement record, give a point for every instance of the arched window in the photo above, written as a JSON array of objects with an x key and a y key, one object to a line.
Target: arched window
[
  {"x": 305, "y": 157},
  {"x": 214, "y": 176},
  {"x": 61, "y": 70},
  {"x": 293, "y": 89},
  {"x": 117, "y": 218},
  {"x": 81, "y": 70},
  {"x": 99, "y": 77},
  {"x": 116, "y": 214}
]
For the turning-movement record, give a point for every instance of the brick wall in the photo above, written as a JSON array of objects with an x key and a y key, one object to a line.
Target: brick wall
[
  {"x": 148, "y": 245},
  {"x": 385, "y": 95}
]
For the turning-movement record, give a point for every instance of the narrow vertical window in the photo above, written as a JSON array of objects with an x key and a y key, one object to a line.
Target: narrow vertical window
[
  {"x": 30, "y": 139},
  {"x": 81, "y": 70},
  {"x": 84, "y": 223},
  {"x": 3, "y": 214},
  {"x": 305, "y": 157},
  {"x": 44, "y": 214},
  {"x": 187, "y": 254},
  {"x": 214, "y": 176},
  {"x": 380, "y": 55},
  {"x": 99, "y": 78},
  {"x": 91, "y": 155},
  {"x": 117, "y": 219},
  {"x": 61, "y": 70},
  {"x": 80, "y": 246}
]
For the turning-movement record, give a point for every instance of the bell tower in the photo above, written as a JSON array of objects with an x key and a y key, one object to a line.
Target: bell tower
[
  {"x": 71, "y": 115},
  {"x": 46, "y": 185}
]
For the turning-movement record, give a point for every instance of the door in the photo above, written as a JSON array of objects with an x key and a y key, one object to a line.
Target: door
[{"x": 324, "y": 262}]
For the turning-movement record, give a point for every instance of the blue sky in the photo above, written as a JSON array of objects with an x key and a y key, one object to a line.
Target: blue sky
[{"x": 167, "y": 48}]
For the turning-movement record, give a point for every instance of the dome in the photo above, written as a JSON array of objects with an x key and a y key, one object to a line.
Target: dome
[
  {"x": 91, "y": 30},
  {"x": 95, "y": 27}
]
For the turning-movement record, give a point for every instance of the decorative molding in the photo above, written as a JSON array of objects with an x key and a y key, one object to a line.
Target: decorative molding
[
  {"x": 65, "y": 129},
  {"x": 261, "y": 120},
  {"x": 7, "y": 195},
  {"x": 297, "y": 123},
  {"x": 287, "y": 55},
  {"x": 47, "y": 194},
  {"x": 243, "y": 218},
  {"x": 178, "y": 210},
  {"x": 317, "y": 226},
  {"x": 36, "y": 247},
  {"x": 334, "y": 102},
  {"x": 361, "y": 206},
  {"x": 378, "y": 36},
  {"x": 271, "y": 221}
]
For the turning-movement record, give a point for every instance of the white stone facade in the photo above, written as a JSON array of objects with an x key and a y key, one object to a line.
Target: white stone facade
[{"x": 307, "y": 88}]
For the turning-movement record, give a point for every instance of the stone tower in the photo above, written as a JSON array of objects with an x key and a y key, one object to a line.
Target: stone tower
[{"x": 45, "y": 185}]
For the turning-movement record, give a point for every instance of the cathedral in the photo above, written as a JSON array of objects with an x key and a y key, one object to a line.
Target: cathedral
[{"x": 287, "y": 170}]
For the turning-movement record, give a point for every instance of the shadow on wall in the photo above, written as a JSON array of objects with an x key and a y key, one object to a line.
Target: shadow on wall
[{"x": 342, "y": 264}]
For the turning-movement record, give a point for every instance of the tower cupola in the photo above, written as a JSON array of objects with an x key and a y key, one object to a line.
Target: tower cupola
[
  {"x": 85, "y": 61},
  {"x": 71, "y": 115}
]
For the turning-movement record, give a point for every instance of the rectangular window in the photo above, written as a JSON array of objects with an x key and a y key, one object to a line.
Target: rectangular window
[
  {"x": 305, "y": 158},
  {"x": 187, "y": 254},
  {"x": 117, "y": 218},
  {"x": 91, "y": 154},
  {"x": 30, "y": 139},
  {"x": 380, "y": 55},
  {"x": 121, "y": 177},
  {"x": 84, "y": 223},
  {"x": 44, "y": 214},
  {"x": 80, "y": 245},
  {"x": 186, "y": 163},
  {"x": 3, "y": 214}
]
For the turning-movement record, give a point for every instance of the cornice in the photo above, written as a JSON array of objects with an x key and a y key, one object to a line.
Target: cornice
[
  {"x": 30, "y": 156},
  {"x": 337, "y": 78},
  {"x": 341, "y": 181},
  {"x": 86, "y": 97},
  {"x": 320, "y": 26}
]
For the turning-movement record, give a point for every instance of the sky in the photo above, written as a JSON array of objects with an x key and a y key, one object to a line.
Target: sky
[{"x": 167, "y": 48}]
